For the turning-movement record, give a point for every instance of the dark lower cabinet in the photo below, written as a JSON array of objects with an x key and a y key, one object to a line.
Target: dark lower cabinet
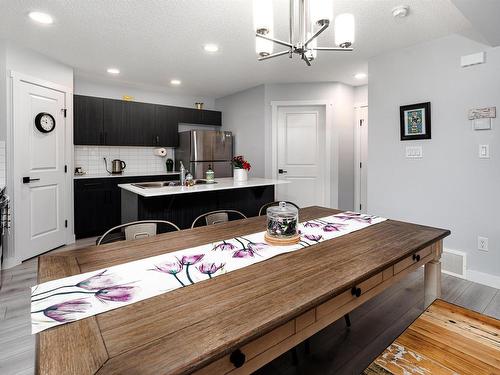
[{"x": 98, "y": 202}]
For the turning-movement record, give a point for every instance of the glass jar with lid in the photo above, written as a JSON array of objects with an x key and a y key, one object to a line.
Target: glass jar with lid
[{"x": 282, "y": 222}]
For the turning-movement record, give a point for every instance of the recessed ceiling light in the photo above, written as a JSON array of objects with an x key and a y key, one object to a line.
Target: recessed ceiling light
[
  {"x": 360, "y": 75},
  {"x": 211, "y": 47},
  {"x": 175, "y": 82},
  {"x": 113, "y": 71},
  {"x": 400, "y": 11},
  {"x": 41, "y": 17}
]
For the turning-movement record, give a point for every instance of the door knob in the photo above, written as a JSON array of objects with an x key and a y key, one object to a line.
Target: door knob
[
  {"x": 281, "y": 171},
  {"x": 27, "y": 180}
]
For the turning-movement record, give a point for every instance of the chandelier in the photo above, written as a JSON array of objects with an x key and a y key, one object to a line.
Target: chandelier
[{"x": 314, "y": 17}]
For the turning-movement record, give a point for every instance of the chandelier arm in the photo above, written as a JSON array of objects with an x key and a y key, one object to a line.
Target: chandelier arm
[
  {"x": 277, "y": 41},
  {"x": 316, "y": 34},
  {"x": 274, "y": 55},
  {"x": 306, "y": 59},
  {"x": 333, "y": 49},
  {"x": 292, "y": 25}
]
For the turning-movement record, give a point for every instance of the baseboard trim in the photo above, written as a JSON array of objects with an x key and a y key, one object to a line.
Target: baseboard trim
[{"x": 484, "y": 278}]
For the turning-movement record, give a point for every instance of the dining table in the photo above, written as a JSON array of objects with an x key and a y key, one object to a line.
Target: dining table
[{"x": 239, "y": 321}]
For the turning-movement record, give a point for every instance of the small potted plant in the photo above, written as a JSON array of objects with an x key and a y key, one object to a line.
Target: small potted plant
[{"x": 240, "y": 168}]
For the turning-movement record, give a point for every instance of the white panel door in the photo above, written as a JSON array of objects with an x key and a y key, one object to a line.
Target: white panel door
[
  {"x": 39, "y": 159},
  {"x": 301, "y": 154}
]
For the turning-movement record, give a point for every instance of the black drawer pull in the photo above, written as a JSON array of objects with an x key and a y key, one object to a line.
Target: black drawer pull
[
  {"x": 416, "y": 257},
  {"x": 356, "y": 291},
  {"x": 237, "y": 358}
]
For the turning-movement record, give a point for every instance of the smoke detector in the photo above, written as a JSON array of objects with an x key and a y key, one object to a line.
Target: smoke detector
[{"x": 401, "y": 11}]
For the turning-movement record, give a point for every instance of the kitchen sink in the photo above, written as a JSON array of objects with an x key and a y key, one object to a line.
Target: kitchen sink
[{"x": 160, "y": 184}]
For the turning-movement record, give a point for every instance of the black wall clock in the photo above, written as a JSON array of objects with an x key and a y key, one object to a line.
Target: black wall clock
[{"x": 45, "y": 122}]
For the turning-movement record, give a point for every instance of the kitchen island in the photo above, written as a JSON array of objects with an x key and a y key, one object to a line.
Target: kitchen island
[{"x": 182, "y": 204}]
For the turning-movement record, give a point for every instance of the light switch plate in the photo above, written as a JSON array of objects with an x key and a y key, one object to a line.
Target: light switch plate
[
  {"x": 482, "y": 243},
  {"x": 414, "y": 152},
  {"x": 484, "y": 151},
  {"x": 482, "y": 124}
]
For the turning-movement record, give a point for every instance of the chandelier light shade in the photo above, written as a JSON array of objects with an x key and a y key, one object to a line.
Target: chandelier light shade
[
  {"x": 344, "y": 30},
  {"x": 321, "y": 11},
  {"x": 263, "y": 16},
  {"x": 314, "y": 17}
]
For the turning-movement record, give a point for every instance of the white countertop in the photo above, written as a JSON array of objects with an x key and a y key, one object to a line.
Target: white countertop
[
  {"x": 222, "y": 184},
  {"x": 125, "y": 174}
]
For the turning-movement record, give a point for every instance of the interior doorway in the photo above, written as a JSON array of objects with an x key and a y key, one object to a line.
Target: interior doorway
[{"x": 360, "y": 158}]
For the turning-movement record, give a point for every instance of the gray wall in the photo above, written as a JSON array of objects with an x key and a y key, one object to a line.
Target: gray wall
[
  {"x": 243, "y": 114},
  {"x": 450, "y": 187},
  {"x": 116, "y": 90},
  {"x": 248, "y": 115}
]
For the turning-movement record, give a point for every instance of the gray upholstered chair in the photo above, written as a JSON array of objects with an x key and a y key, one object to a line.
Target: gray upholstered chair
[
  {"x": 216, "y": 217},
  {"x": 133, "y": 230}
]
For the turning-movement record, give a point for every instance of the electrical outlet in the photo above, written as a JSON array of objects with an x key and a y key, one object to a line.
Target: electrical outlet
[{"x": 482, "y": 243}]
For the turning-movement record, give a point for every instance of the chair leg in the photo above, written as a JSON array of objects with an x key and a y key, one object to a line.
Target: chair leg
[
  {"x": 307, "y": 347},
  {"x": 347, "y": 320},
  {"x": 295, "y": 356}
]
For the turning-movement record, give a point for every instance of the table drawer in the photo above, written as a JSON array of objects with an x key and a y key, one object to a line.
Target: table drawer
[
  {"x": 412, "y": 259},
  {"x": 246, "y": 352},
  {"x": 348, "y": 296}
]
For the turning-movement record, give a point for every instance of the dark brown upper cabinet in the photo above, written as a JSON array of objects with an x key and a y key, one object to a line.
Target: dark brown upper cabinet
[
  {"x": 88, "y": 120},
  {"x": 111, "y": 122}
]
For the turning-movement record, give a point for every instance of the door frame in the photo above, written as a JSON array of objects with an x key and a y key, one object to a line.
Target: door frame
[
  {"x": 16, "y": 78},
  {"x": 357, "y": 159},
  {"x": 331, "y": 139}
]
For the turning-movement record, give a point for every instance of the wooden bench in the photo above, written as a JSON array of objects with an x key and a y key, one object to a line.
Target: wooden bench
[{"x": 445, "y": 339}]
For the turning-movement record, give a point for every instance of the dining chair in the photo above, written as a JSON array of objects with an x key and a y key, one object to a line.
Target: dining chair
[
  {"x": 134, "y": 230},
  {"x": 262, "y": 210},
  {"x": 216, "y": 217}
]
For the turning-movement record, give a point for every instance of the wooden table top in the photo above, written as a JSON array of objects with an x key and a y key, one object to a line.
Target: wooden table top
[
  {"x": 187, "y": 328},
  {"x": 445, "y": 340}
]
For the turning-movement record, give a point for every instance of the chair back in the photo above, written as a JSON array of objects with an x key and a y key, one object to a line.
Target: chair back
[
  {"x": 217, "y": 217},
  {"x": 134, "y": 230},
  {"x": 264, "y": 208},
  {"x": 143, "y": 230}
]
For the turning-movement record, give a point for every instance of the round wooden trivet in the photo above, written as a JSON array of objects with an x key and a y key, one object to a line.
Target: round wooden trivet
[{"x": 282, "y": 241}]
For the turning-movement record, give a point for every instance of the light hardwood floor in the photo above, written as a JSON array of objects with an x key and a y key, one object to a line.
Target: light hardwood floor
[{"x": 335, "y": 350}]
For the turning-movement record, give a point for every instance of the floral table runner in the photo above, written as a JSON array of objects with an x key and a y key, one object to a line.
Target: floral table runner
[{"x": 76, "y": 297}]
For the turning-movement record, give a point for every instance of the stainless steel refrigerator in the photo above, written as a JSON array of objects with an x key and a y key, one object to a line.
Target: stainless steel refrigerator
[{"x": 200, "y": 148}]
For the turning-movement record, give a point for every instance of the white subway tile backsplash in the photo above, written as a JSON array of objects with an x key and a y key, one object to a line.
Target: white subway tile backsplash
[{"x": 138, "y": 159}]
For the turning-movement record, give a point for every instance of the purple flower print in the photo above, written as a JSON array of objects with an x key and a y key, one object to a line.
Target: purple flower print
[
  {"x": 354, "y": 216},
  {"x": 311, "y": 224},
  {"x": 65, "y": 312},
  {"x": 224, "y": 246},
  {"x": 314, "y": 237},
  {"x": 209, "y": 268},
  {"x": 119, "y": 293},
  {"x": 172, "y": 268},
  {"x": 95, "y": 282},
  {"x": 189, "y": 260},
  {"x": 333, "y": 227},
  {"x": 244, "y": 253},
  {"x": 257, "y": 246}
]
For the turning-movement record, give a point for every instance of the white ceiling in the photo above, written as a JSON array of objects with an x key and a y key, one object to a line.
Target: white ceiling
[{"x": 153, "y": 41}]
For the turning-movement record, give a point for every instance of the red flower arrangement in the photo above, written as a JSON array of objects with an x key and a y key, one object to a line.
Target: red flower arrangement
[{"x": 239, "y": 162}]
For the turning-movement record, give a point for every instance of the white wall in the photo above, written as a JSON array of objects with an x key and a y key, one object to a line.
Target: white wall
[
  {"x": 361, "y": 96},
  {"x": 116, "y": 90},
  {"x": 248, "y": 115},
  {"x": 243, "y": 114},
  {"x": 450, "y": 187}
]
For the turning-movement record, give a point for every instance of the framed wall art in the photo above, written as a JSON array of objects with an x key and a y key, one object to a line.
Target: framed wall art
[{"x": 415, "y": 121}]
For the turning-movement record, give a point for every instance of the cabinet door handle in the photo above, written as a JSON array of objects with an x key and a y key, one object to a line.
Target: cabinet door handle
[
  {"x": 356, "y": 291},
  {"x": 105, "y": 138},
  {"x": 157, "y": 140},
  {"x": 416, "y": 257},
  {"x": 237, "y": 358}
]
